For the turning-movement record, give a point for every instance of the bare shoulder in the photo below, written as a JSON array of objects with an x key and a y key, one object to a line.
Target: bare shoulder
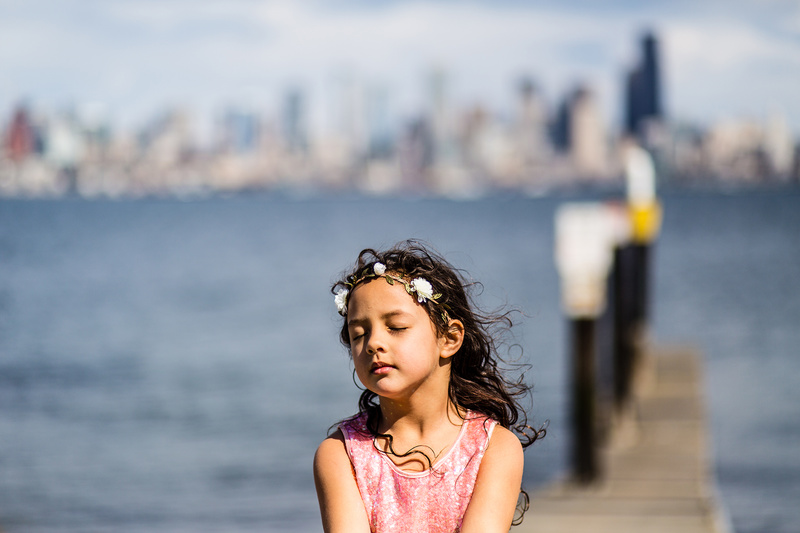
[
  {"x": 494, "y": 497},
  {"x": 504, "y": 443},
  {"x": 340, "y": 504},
  {"x": 332, "y": 450}
]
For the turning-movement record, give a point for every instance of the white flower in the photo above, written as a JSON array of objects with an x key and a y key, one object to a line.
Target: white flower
[
  {"x": 341, "y": 300},
  {"x": 380, "y": 269},
  {"x": 422, "y": 288}
]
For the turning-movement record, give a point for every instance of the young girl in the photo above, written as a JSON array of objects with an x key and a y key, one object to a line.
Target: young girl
[{"x": 431, "y": 448}]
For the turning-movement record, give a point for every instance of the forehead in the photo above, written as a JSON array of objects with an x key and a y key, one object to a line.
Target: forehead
[{"x": 379, "y": 295}]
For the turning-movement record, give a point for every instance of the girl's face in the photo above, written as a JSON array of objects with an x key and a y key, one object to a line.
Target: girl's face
[{"x": 395, "y": 347}]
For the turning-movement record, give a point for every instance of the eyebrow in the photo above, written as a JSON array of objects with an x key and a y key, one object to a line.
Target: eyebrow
[{"x": 385, "y": 316}]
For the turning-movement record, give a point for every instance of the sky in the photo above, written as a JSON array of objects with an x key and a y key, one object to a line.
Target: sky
[{"x": 130, "y": 59}]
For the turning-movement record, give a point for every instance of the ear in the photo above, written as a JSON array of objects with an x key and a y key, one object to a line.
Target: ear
[{"x": 452, "y": 339}]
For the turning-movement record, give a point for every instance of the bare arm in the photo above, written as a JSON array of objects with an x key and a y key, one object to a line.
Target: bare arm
[
  {"x": 339, "y": 500},
  {"x": 494, "y": 499}
]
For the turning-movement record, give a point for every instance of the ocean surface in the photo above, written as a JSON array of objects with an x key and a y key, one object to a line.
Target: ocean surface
[{"x": 172, "y": 365}]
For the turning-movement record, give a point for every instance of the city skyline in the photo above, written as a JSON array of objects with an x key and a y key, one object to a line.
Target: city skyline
[
  {"x": 443, "y": 147},
  {"x": 130, "y": 60}
]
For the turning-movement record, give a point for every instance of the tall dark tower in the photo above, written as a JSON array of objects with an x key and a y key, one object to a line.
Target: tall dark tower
[
  {"x": 633, "y": 101},
  {"x": 651, "y": 101},
  {"x": 643, "y": 89}
]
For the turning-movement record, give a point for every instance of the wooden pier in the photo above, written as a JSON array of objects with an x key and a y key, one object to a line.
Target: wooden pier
[{"x": 656, "y": 471}]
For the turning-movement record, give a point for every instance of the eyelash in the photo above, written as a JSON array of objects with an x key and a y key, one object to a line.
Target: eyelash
[{"x": 356, "y": 337}]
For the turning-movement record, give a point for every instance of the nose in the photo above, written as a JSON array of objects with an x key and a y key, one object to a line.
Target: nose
[{"x": 375, "y": 344}]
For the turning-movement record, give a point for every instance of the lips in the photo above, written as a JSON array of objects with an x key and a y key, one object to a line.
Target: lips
[{"x": 380, "y": 368}]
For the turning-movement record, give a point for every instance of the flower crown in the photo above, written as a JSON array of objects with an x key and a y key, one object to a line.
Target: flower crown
[{"x": 418, "y": 286}]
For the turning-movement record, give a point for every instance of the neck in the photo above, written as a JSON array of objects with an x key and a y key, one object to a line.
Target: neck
[
  {"x": 420, "y": 432},
  {"x": 419, "y": 418}
]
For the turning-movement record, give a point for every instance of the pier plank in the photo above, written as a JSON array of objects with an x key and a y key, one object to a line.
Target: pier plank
[{"x": 656, "y": 471}]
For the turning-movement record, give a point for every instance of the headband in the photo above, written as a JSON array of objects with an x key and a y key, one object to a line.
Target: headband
[{"x": 419, "y": 287}]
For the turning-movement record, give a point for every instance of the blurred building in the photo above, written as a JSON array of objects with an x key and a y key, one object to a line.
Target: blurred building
[
  {"x": 779, "y": 146},
  {"x": 588, "y": 145},
  {"x": 734, "y": 151},
  {"x": 439, "y": 114},
  {"x": 688, "y": 155},
  {"x": 750, "y": 151},
  {"x": 415, "y": 156},
  {"x": 64, "y": 145},
  {"x": 437, "y": 149},
  {"x": 643, "y": 99},
  {"x": 168, "y": 138},
  {"x": 532, "y": 144},
  {"x": 24, "y": 169},
  {"x": 351, "y": 106},
  {"x": 381, "y": 171},
  {"x": 241, "y": 129},
  {"x": 447, "y": 174},
  {"x": 579, "y": 133},
  {"x": 20, "y": 138},
  {"x": 379, "y": 126},
  {"x": 295, "y": 121},
  {"x": 488, "y": 154}
]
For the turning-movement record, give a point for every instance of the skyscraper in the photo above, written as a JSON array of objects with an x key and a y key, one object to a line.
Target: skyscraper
[
  {"x": 242, "y": 130},
  {"x": 651, "y": 89},
  {"x": 294, "y": 121},
  {"x": 643, "y": 89},
  {"x": 439, "y": 113},
  {"x": 587, "y": 143},
  {"x": 531, "y": 130}
]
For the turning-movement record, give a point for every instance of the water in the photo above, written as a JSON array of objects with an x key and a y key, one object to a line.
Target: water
[
  {"x": 171, "y": 366},
  {"x": 729, "y": 281}
]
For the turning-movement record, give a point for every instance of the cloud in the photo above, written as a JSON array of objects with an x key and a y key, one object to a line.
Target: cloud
[
  {"x": 139, "y": 55},
  {"x": 731, "y": 68}
]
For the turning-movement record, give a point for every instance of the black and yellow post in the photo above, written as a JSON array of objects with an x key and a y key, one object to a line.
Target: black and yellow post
[{"x": 631, "y": 272}]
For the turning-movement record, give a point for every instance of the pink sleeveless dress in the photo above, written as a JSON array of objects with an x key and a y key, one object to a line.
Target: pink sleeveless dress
[{"x": 433, "y": 501}]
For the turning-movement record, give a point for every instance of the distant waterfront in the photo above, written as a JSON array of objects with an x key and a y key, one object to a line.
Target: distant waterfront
[{"x": 171, "y": 365}]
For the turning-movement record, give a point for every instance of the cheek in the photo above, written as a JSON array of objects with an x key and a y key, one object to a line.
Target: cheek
[
  {"x": 356, "y": 353},
  {"x": 361, "y": 367},
  {"x": 355, "y": 347}
]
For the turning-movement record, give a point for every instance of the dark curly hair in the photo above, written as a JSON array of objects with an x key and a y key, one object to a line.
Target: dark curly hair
[
  {"x": 478, "y": 374},
  {"x": 477, "y": 377}
]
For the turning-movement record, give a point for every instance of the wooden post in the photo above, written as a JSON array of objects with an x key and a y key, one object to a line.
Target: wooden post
[
  {"x": 623, "y": 324},
  {"x": 585, "y": 464},
  {"x": 644, "y": 212},
  {"x": 641, "y": 253},
  {"x": 584, "y": 236}
]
